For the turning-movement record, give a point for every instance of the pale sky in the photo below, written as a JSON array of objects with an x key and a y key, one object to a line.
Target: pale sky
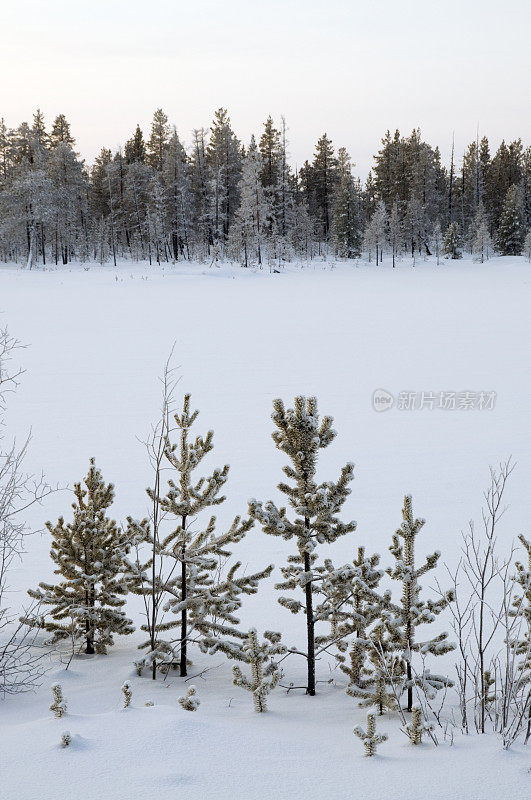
[{"x": 350, "y": 68}]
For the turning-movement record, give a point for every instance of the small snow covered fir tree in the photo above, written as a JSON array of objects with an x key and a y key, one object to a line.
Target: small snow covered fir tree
[
  {"x": 351, "y": 604},
  {"x": 202, "y": 600},
  {"x": 58, "y": 705},
  {"x": 265, "y": 674},
  {"x": 300, "y": 435},
  {"x": 417, "y": 727},
  {"x": 370, "y": 738},
  {"x": 452, "y": 242},
  {"x": 66, "y": 739},
  {"x": 89, "y": 553},
  {"x": 522, "y": 610},
  {"x": 381, "y": 680},
  {"x": 403, "y": 622},
  {"x": 191, "y": 701},
  {"x": 127, "y": 693}
]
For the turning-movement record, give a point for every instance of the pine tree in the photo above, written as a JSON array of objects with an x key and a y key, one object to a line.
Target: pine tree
[
  {"x": 346, "y": 223},
  {"x": 135, "y": 147},
  {"x": 158, "y": 140},
  {"x": 89, "y": 553},
  {"x": 452, "y": 242},
  {"x": 350, "y": 603},
  {"x": 300, "y": 435},
  {"x": 522, "y": 610},
  {"x": 191, "y": 701},
  {"x": 511, "y": 229},
  {"x": 179, "y": 198},
  {"x": 58, "y": 705},
  {"x": 437, "y": 239},
  {"x": 395, "y": 232},
  {"x": 403, "y": 623},
  {"x": 376, "y": 233},
  {"x": 254, "y": 218},
  {"x": 417, "y": 727},
  {"x": 370, "y": 738},
  {"x": 324, "y": 177},
  {"x": 60, "y": 133},
  {"x": 378, "y": 683},
  {"x": 527, "y": 245},
  {"x": 39, "y": 129},
  {"x": 265, "y": 673},
  {"x": 127, "y": 694},
  {"x": 224, "y": 159},
  {"x": 203, "y": 602}
]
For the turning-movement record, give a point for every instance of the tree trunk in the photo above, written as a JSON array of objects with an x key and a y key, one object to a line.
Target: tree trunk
[
  {"x": 310, "y": 627},
  {"x": 184, "y": 620}
]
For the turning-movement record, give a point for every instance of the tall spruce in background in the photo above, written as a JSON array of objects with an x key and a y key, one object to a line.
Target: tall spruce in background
[
  {"x": 156, "y": 200},
  {"x": 224, "y": 158},
  {"x": 511, "y": 228},
  {"x": 300, "y": 435},
  {"x": 90, "y": 554},
  {"x": 346, "y": 222}
]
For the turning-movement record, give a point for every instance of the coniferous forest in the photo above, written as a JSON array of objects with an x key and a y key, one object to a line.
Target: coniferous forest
[{"x": 220, "y": 198}]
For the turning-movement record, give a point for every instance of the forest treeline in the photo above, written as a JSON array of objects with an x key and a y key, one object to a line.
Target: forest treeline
[{"x": 156, "y": 200}]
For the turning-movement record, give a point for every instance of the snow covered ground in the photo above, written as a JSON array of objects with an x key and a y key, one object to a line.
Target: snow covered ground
[{"x": 97, "y": 340}]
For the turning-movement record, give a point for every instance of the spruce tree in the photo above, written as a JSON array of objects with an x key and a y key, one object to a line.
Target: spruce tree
[
  {"x": 61, "y": 132},
  {"x": 224, "y": 159},
  {"x": 346, "y": 223},
  {"x": 135, "y": 147},
  {"x": 300, "y": 435},
  {"x": 89, "y": 553},
  {"x": 511, "y": 229},
  {"x": 188, "y": 560},
  {"x": 158, "y": 140},
  {"x": 403, "y": 622},
  {"x": 452, "y": 242},
  {"x": 254, "y": 218}
]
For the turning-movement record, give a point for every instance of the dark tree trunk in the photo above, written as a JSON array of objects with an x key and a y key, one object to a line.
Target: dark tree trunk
[
  {"x": 184, "y": 615},
  {"x": 310, "y": 627}
]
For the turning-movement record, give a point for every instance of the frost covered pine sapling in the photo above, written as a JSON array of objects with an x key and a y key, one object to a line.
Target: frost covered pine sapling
[
  {"x": 351, "y": 604},
  {"x": 370, "y": 738},
  {"x": 89, "y": 553},
  {"x": 265, "y": 673},
  {"x": 58, "y": 705},
  {"x": 402, "y": 623},
  {"x": 203, "y": 602},
  {"x": 190, "y": 702},
  {"x": 300, "y": 435}
]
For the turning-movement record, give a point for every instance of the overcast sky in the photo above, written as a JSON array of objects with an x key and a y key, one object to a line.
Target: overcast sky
[{"x": 350, "y": 68}]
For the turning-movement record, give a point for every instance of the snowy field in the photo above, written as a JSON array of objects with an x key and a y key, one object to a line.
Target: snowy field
[{"x": 97, "y": 340}]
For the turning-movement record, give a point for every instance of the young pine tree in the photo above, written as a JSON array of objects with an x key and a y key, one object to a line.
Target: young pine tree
[
  {"x": 300, "y": 435},
  {"x": 89, "y": 553},
  {"x": 188, "y": 560},
  {"x": 265, "y": 673},
  {"x": 402, "y": 623},
  {"x": 351, "y": 604}
]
